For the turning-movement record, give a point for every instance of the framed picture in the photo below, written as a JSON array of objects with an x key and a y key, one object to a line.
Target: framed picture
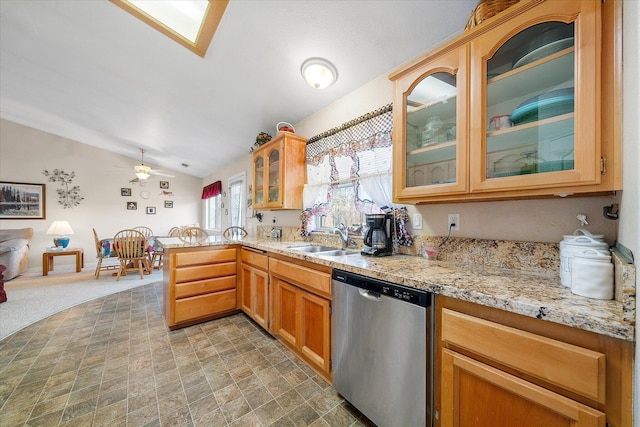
[
  {"x": 132, "y": 206},
  {"x": 20, "y": 200},
  {"x": 168, "y": 204},
  {"x": 125, "y": 192},
  {"x": 164, "y": 185},
  {"x": 151, "y": 210}
]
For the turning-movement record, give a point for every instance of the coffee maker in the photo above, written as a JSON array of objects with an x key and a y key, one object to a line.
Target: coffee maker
[{"x": 378, "y": 240}]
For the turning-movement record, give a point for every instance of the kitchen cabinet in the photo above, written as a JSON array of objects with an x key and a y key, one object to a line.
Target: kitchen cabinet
[
  {"x": 521, "y": 106},
  {"x": 502, "y": 369},
  {"x": 255, "y": 285},
  {"x": 279, "y": 173},
  {"x": 199, "y": 284},
  {"x": 302, "y": 311}
]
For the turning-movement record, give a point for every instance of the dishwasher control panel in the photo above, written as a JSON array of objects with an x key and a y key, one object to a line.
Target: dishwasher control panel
[{"x": 410, "y": 295}]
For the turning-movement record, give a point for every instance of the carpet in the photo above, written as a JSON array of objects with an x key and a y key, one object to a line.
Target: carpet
[{"x": 31, "y": 299}]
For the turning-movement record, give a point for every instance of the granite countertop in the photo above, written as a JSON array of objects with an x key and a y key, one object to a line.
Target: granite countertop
[{"x": 530, "y": 294}]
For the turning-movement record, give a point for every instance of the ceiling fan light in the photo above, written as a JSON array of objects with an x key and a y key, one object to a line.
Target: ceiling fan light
[
  {"x": 319, "y": 73},
  {"x": 142, "y": 175}
]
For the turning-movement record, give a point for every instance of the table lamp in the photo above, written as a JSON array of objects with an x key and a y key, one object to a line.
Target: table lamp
[{"x": 61, "y": 230}]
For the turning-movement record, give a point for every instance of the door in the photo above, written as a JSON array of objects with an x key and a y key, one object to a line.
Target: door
[
  {"x": 315, "y": 327},
  {"x": 285, "y": 311},
  {"x": 476, "y": 394},
  {"x": 535, "y": 86}
]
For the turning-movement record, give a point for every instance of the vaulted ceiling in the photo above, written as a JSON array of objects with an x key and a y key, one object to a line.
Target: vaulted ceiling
[{"x": 88, "y": 71}]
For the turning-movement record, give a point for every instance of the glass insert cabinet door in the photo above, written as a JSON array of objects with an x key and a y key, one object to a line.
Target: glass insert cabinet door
[
  {"x": 538, "y": 114},
  {"x": 274, "y": 176},
  {"x": 258, "y": 185},
  {"x": 434, "y": 130}
]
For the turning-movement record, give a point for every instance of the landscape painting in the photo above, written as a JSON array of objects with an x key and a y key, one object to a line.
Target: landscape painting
[{"x": 22, "y": 201}]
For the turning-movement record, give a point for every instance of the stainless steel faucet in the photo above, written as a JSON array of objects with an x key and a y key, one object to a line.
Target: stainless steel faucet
[{"x": 343, "y": 231}]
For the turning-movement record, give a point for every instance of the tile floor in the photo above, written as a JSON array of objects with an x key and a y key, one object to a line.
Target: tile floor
[{"x": 111, "y": 361}]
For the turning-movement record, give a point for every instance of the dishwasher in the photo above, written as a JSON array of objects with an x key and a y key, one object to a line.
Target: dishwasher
[{"x": 383, "y": 349}]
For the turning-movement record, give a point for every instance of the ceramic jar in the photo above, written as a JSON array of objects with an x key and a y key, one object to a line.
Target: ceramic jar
[
  {"x": 575, "y": 243},
  {"x": 592, "y": 274}
]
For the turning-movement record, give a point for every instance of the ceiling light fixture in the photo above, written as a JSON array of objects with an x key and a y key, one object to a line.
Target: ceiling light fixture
[{"x": 319, "y": 73}]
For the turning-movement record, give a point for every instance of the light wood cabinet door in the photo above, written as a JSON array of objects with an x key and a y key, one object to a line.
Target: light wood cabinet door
[
  {"x": 314, "y": 330},
  {"x": 476, "y": 394},
  {"x": 286, "y": 312},
  {"x": 260, "y": 291},
  {"x": 279, "y": 173}
]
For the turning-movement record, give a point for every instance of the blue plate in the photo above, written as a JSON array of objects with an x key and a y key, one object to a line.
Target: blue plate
[{"x": 543, "y": 106}]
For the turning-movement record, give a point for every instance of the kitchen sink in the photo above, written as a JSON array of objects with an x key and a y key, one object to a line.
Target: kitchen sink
[
  {"x": 315, "y": 248},
  {"x": 337, "y": 252}
]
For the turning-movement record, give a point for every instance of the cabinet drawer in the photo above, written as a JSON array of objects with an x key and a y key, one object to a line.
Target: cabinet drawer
[
  {"x": 255, "y": 259},
  {"x": 200, "y": 287},
  {"x": 204, "y": 257},
  {"x": 303, "y": 277},
  {"x": 204, "y": 305},
  {"x": 573, "y": 368},
  {"x": 188, "y": 274}
]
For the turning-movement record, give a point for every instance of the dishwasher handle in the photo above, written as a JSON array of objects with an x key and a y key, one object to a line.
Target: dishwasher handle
[{"x": 370, "y": 295}]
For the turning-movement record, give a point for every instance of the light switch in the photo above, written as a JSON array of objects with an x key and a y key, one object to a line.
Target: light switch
[{"x": 417, "y": 221}]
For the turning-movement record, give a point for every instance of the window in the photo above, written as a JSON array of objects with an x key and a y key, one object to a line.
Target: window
[
  {"x": 343, "y": 210},
  {"x": 191, "y": 23},
  {"x": 213, "y": 213},
  {"x": 237, "y": 199}
]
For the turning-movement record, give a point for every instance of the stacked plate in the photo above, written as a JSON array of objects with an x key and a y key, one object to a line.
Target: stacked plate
[{"x": 549, "y": 104}]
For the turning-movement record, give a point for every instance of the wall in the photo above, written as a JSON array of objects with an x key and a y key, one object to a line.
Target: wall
[
  {"x": 630, "y": 200},
  {"x": 26, "y": 152}
]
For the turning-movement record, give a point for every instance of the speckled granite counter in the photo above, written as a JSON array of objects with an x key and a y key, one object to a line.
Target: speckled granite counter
[{"x": 530, "y": 294}]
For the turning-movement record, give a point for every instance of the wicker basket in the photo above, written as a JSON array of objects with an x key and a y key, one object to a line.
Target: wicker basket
[{"x": 486, "y": 9}]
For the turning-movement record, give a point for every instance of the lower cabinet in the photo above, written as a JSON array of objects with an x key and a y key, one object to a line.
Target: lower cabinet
[
  {"x": 199, "y": 284},
  {"x": 301, "y": 312},
  {"x": 502, "y": 369},
  {"x": 254, "y": 285}
]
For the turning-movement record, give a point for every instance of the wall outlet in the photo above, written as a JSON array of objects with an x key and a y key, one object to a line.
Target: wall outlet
[{"x": 455, "y": 220}]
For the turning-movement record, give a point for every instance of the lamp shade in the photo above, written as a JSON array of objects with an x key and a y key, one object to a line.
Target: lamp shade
[
  {"x": 319, "y": 73},
  {"x": 60, "y": 229}
]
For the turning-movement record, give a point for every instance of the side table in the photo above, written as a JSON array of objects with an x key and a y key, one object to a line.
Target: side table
[{"x": 47, "y": 259}]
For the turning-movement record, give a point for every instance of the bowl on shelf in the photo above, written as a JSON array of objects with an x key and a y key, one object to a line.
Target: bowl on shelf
[{"x": 549, "y": 104}]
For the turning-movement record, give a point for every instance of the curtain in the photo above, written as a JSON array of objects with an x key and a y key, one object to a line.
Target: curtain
[
  {"x": 359, "y": 152},
  {"x": 236, "y": 200},
  {"x": 211, "y": 190}
]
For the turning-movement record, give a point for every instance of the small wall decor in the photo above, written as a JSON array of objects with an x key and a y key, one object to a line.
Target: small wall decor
[
  {"x": 22, "y": 201},
  {"x": 166, "y": 193},
  {"x": 132, "y": 206},
  {"x": 168, "y": 204},
  {"x": 164, "y": 184},
  {"x": 69, "y": 197},
  {"x": 125, "y": 192},
  {"x": 151, "y": 210}
]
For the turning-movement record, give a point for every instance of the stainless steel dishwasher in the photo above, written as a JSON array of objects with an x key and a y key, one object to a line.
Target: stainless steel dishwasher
[{"x": 382, "y": 349}]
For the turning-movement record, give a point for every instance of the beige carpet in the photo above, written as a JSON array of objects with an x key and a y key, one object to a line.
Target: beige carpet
[{"x": 31, "y": 299}]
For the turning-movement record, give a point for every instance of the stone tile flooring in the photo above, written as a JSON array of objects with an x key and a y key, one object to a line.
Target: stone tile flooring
[{"x": 112, "y": 362}]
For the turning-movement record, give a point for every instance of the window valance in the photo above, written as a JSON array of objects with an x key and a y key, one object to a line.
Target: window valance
[{"x": 212, "y": 190}]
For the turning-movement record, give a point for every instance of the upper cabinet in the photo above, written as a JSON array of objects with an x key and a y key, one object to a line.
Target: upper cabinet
[
  {"x": 522, "y": 105},
  {"x": 279, "y": 173}
]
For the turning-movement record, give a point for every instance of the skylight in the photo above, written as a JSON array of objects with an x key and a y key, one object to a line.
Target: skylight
[{"x": 191, "y": 23}]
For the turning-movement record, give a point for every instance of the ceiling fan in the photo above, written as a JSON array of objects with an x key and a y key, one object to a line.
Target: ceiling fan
[{"x": 143, "y": 172}]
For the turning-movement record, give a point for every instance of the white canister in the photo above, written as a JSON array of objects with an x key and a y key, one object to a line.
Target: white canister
[
  {"x": 582, "y": 232},
  {"x": 592, "y": 274},
  {"x": 577, "y": 244}
]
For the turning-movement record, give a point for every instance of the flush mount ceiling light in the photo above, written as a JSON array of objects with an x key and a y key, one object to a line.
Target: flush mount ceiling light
[
  {"x": 319, "y": 73},
  {"x": 191, "y": 23}
]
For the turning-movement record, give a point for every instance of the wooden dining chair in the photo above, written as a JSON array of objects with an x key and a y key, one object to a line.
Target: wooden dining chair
[
  {"x": 104, "y": 250},
  {"x": 234, "y": 232},
  {"x": 193, "y": 234},
  {"x": 174, "y": 232},
  {"x": 131, "y": 248}
]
